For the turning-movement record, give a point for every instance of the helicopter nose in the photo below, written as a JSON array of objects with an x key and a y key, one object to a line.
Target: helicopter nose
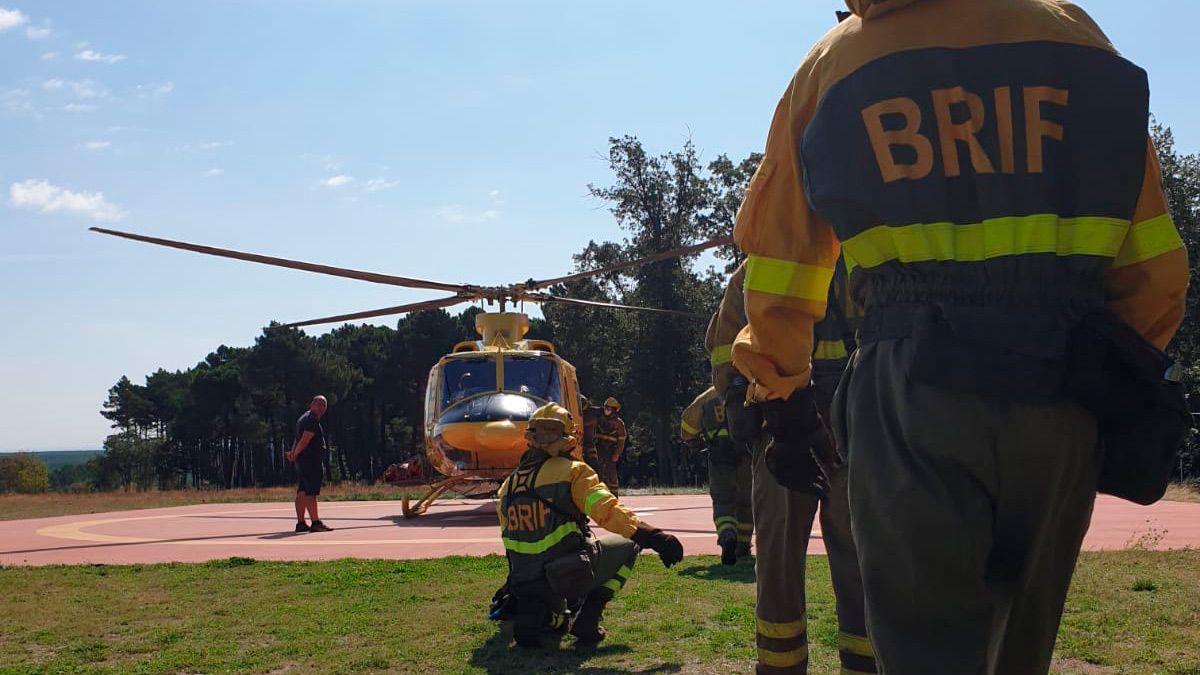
[{"x": 500, "y": 435}]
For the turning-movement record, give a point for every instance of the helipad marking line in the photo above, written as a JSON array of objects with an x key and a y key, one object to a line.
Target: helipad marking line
[{"x": 74, "y": 531}]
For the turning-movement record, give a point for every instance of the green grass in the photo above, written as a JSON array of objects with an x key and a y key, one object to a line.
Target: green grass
[{"x": 351, "y": 616}]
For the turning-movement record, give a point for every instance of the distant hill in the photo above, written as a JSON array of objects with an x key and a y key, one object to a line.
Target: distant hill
[{"x": 58, "y": 458}]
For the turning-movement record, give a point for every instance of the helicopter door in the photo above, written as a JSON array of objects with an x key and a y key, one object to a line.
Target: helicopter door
[{"x": 431, "y": 399}]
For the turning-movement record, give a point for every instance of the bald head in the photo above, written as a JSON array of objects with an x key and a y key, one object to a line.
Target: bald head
[{"x": 319, "y": 405}]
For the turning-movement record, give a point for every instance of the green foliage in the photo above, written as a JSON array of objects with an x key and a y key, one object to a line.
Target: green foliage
[
  {"x": 1181, "y": 182},
  {"x": 23, "y": 473}
]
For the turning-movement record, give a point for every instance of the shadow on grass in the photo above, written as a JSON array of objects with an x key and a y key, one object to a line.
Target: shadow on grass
[
  {"x": 499, "y": 657},
  {"x": 742, "y": 572}
]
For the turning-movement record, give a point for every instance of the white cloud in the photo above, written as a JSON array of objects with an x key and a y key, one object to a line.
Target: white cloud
[
  {"x": 81, "y": 88},
  {"x": 89, "y": 55},
  {"x": 210, "y": 145},
  {"x": 494, "y": 194},
  {"x": 378, "y": 184},
  {"x": 37, "y": 32},
  {"x": 17, "y": 102},
  {"x": 11, "y": 18},
  {"x": 153, "y": 89},
  {"x": 97, "y": 145},
  {"x": 40, "y": 195},
  {"x": 455, "y": 214},
  {"x": 213, "y": 173},
  {"x": 337, "y": 181},
  {"x": 50, "y": 56},
  {"x": 78, "y": 107}
]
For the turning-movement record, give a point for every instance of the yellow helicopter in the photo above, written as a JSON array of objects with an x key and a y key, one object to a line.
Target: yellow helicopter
[{"x": 479, "y": 397}]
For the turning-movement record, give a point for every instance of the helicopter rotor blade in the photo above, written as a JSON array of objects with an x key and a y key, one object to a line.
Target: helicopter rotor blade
[
  {"x": 371, "y": 313},
  {"x": 547, "y": 298},
  {"x": 675, "y": 253},
  {"x": 373, "y": 277}
]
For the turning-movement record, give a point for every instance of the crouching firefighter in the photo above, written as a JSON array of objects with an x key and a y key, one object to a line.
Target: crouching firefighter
[{"x": 560, "y": 576}]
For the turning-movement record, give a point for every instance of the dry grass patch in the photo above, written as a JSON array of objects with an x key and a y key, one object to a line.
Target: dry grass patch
[{"x": 1182, "y": 492}]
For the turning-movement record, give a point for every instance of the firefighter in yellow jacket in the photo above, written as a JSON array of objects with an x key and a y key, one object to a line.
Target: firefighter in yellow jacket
[
  {"x": 610, "y": 442},
  {"x": 543, "y": 507},
  {"x": 983, "y": 167},
  {"x": 728, "y": 473},
  {"x": 784, "y": 518}
]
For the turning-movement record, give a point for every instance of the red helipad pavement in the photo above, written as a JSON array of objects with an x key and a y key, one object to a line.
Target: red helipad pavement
[{"x": 377, "y": 530}]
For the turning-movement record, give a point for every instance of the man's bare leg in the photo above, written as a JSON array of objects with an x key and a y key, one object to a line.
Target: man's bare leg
[
  {"x": 312, "y": 509},
  {"x": 300, "y": 502}
]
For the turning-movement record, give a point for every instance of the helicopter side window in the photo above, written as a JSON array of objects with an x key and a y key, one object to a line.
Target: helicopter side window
[
  {"x": 466, "y": 377},
  {"x": 533, "y": 376}
]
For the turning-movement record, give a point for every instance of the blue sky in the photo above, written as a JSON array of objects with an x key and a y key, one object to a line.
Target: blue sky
[{"x": 447, "y": 140}]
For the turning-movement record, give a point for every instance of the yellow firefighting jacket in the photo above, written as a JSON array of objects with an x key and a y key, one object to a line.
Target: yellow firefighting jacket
[
  {"x": 610, "y": 436},
  {"x": 831, "y": 333},
  {"x": 723, "y": 329},
  {"x": 532, "y": 532},
  {"x": 987, "y": 151},
  {"x": 705, "y": 415}
]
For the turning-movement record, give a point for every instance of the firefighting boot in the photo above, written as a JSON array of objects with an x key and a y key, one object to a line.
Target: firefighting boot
[
  {"x": 587, "y": 629},
  {"x": 728, "y": 542},
  {"x": 530, "y": 623}
]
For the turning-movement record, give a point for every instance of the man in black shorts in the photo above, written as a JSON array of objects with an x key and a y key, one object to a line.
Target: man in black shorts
[{"x": 308, "y": 453}]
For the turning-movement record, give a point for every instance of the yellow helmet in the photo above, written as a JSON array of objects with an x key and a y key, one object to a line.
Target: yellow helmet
[
  {"x": 550, "y": 428},
  {"x": 613, "y": 403}
]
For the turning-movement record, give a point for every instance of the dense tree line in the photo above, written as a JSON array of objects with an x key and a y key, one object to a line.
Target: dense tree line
[{"x": 227, "y": 421}]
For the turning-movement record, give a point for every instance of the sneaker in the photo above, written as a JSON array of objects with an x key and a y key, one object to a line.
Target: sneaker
[
  {"x": 302, "y": 527},
  {"x": 318, "y": 526}
]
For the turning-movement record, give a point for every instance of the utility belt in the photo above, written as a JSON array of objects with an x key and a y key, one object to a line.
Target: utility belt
[{"x": 1036, "y": 355}]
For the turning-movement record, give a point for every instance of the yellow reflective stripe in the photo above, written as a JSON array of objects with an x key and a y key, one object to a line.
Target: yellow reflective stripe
[
  {"x": 782, "y": 631},
  {"x": 725, "y": 523},
  {"x": 855, "y": 644},
  {"x": 556, "y": 620},
  {"x": 782, "y": 659},
  {"x": 992, "y": 238},
  {"x": 746, "y": 527},
  {"x": 593, "y": 497},
  {"x": 541, "y": 545},
  {"x": 687, "y": 428},
  {"x": 608, "y": 438},
  {"x": 830, "y": 350},
  {"x": 791, "y": 279},
  {"x": 743, "y": 538},
  {"x": 1149, "y": 239},
  {"x": 623, "y": 572},
  {"x": 612, "y": 584},
  {"x": 720, "y": 432},
  {"x": 721, "y": 354}
]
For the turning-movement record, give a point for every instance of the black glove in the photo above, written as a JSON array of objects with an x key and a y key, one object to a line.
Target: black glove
[
  {"x": 668, "y": 548},
  {"x": 744, "y": 422},
  {"x": 801, "y": 454}
]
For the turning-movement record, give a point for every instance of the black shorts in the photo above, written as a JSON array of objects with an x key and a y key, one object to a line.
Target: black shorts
[{"x": 308, "y": 478}]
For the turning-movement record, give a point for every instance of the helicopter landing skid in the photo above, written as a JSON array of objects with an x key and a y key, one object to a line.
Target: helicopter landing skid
[{"x": 437, "y": 490}]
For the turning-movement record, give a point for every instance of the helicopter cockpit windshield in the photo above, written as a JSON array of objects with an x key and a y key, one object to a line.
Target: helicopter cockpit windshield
[
  {"x": 532, "y": 376},
  {"x": 462, "y": 378}
]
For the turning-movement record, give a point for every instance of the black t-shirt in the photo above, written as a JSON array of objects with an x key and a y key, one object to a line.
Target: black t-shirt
[{"x": 315, "y": 450}]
